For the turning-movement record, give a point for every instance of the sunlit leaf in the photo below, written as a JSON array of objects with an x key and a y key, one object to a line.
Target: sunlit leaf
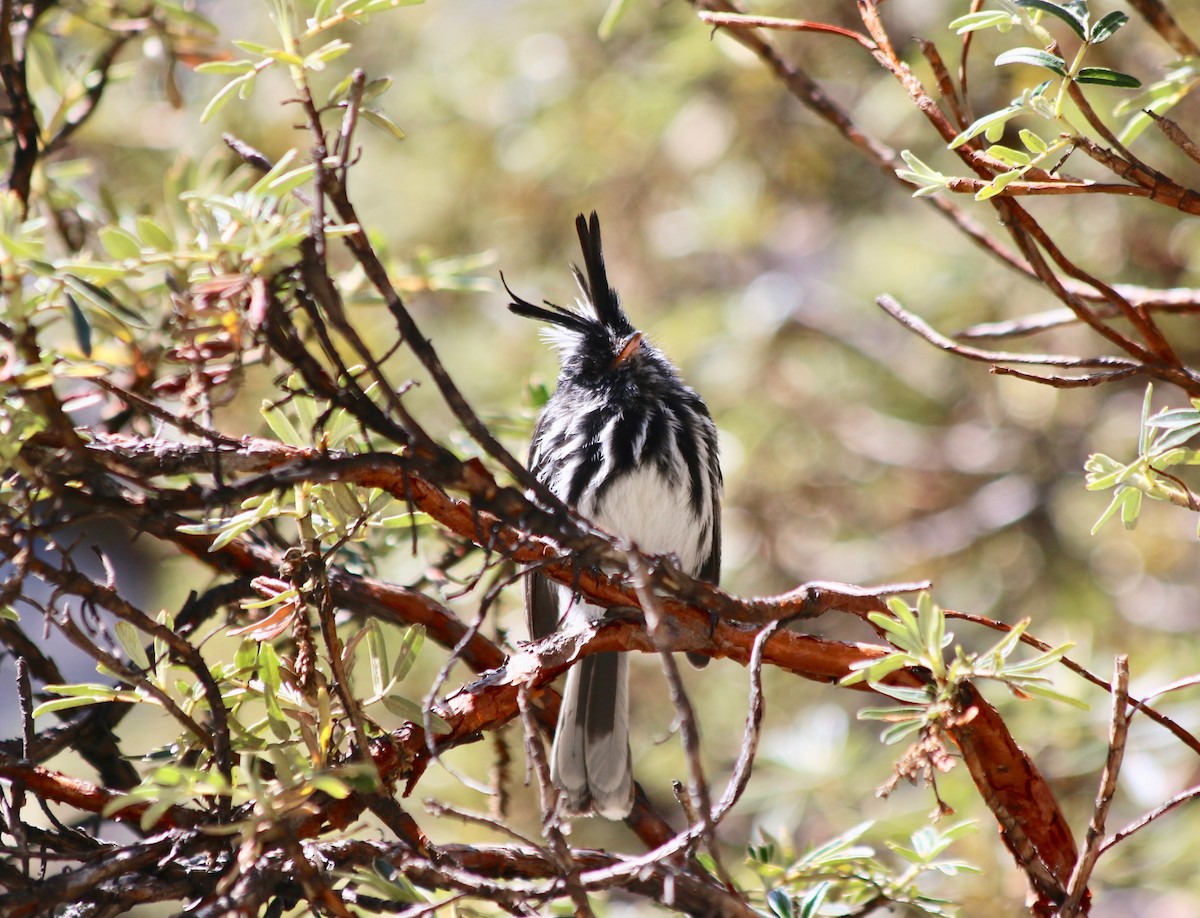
[
  {"x": 1034, "y": 57},
  {"x": 1102, "y": 76},
  {"x": 1073, "y": 12}
]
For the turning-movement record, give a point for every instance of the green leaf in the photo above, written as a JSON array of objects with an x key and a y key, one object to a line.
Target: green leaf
[
  {"x": 1107, "y": 27},
  {"x": 1176, "y": 437},
  {"x": 268, "y": 667},
  {"x": 1034, "y": 57},
  {"x": 984, "y": 19},
  {"x": 382, "y": 121},
  {"x": 1041, "y": 661},
  {"x": 225, "y": 94},
  {"x": 1073, "y": 12},
  {"x": 317, "y": 60},
  {"x": 898, "y": 633},
  {"x": 810, "y": 905},
  {"x": 1102, "y": 76},
  {"x": 1117, "y": 503},
  {"x": 377, "y": 656},
  {"x": 897, "y": 732},
  {"x": 154, "y": 235},
  {"x": 1052, "y": 695},
  {"x": 918, "y": 167},
  {"x": 998, "y": 184},
  {"x": 93, "y": 271},
  {"x": 225, "y": 68},
  {"x": 780, "y": 903},
  {"x": 1147, "y": 402},
  {"x": 1131, "y": 507},
  {"x": 904, "y": 693},
  {"x": 410, "y": 649},
  {"x": 1177, "y": 417},
  {"x": 1008, "y": 155},
  {"x": 281, "y": 425},
  {"x": 329, "y": 784},
  {"x": 291, "y": 180},
  {"x": 1007, "y": 644},
  {"x": 79, "y": 322},
  {"x": 985, "y": 123},
  {"x": 102, "y": 299},
  {"x": 130, "y": 640},
  {"x": 410, "y": 710},
  {"x": 1033, "y": 143},
  {"x": 877, "y": 670},
  {"x": 62, "y": 704},
  {"x": 119, "y": 243}
]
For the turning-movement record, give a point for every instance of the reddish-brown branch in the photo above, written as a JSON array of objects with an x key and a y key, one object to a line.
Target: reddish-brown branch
[{"x": 87, "y": 797}]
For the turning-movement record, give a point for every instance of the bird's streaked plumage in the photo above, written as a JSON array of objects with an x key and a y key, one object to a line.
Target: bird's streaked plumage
[{"x": 634, "y": 449}]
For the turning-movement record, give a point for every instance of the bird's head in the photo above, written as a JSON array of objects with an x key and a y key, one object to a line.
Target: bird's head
[{"x": 598, "y": 345}]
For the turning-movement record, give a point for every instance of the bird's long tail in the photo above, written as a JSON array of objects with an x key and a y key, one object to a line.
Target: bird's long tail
[{"x": 590, "y": 759}]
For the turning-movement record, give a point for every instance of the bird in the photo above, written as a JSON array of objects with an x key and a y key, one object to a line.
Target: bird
[{"x": 630, "y": 446}]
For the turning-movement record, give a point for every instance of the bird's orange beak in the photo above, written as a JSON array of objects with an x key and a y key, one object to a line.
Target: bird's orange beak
[{"x": 628, "y": 349}]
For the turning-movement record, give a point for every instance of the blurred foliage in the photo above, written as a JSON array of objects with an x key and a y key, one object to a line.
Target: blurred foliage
[{"x": 751, "y": 242}]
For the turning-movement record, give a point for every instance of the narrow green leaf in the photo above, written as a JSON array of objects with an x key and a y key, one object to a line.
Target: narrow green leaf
[
  {"x": 1131, "y": 507},
  {"x": 899, "y": 634},
  {"x": 225, "y": 68},
  {"x": 382, "y": 121},
  {"x": 154, "y": 235},
  {"x": 377, "y": 656},
  {"x": 998, "y": 184},
  {"x": 224, "y": 96},
  {"x": 1107, "y": 26},
  {"x": 268, "y": 667},
  {"x": 317, "y": 60},
  {"x": 281, "y": 425},
  {"x": 1073, "y": 12},
  {"x": 333, "y": 786},
  {"x": 1034, "y": 57},
  {"x": 1041, "y": 661},
  {"x": 905, "y": 693},
  {"x": 410, "y": 649},
  {"x": 1003, "y": 647},
  {"x": 919, "y": 167},
  {"x": 119, "y": 243},
  {"x": 1033, "y": 143},
  {"x": 130, "y": 640},
  {"x": 1102, "y": 76},
  {"x": 410, "y": 710},
  {"x": 897, "y": 732},
  {"x": 1172, "y": 439},
  {"x": 810, "y": 905},
  {"x": 1008, "y": 155},
  {"x": 79, "y": 323},
  {"x": 1113, "y": 506},
  {"x": 1052, "y": 695},
  {"x": 93, "y": 271},
  {"x": 780, "y": 903},
  {"x": 292, "y": 180},
  {"x": 878, "y": 670},
  {"x": 984, "y": 19},
  {"x": 62, "y": 704}
]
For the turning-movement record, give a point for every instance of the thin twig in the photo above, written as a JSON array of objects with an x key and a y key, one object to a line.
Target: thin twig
[{"x": 1118, "y": 731}]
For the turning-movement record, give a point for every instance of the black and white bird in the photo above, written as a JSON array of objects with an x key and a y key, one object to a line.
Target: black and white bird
[{"x": 634, "y": 449}]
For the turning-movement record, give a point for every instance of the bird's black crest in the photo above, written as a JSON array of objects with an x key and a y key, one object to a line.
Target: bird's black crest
[{"x": 594, "y": 285}]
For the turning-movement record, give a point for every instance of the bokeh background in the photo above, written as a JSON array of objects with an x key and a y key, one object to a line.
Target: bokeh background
[{"x": 750, "y": 241}]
